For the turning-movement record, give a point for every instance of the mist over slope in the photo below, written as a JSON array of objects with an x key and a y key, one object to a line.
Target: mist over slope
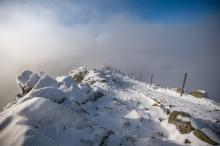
[
  {"x": 105, "y": 107},
  {"x": 145, "y": 36}
]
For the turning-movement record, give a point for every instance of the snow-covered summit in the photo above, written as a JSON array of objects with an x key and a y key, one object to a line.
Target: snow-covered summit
[{"x": 104, "y": 107}]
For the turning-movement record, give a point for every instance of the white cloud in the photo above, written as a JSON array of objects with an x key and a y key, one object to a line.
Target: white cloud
[{"x": 39, "y": 39}]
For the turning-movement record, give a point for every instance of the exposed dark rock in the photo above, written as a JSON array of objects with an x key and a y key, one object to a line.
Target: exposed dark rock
[
  {"x": 199, "y": 134},
  {"x": 155, "y": 104},
  {"x": 94, "y": 96},
  {"x": 80, "y": 74},
  {"x": 146, "y": 109},
  {"x": 199, "y": 93},
  {"x": 187, "y": 141},
  {"x": 160, "y": 134},
  {"x": 168, "y": 111},
  {"x": 183, "y": 127},
  {"x": 105, "y": 138},
  {"x": 178, "y": 90},
  {"x": 171, "y": 106}
]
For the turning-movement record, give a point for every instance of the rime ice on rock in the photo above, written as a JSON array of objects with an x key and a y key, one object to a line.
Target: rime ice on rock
[{"x": 26, "y": 81}]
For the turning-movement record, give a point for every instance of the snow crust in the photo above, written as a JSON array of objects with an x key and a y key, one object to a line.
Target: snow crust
[{"x": 107, "y": 108}]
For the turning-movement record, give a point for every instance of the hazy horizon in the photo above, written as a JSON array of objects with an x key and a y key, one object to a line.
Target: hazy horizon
[{"x": 153, "y": 36}]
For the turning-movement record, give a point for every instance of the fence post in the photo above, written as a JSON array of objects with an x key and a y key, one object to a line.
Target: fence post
[
  {"x": 151, "y": 80},
  {"x": 184, "y": 82}
]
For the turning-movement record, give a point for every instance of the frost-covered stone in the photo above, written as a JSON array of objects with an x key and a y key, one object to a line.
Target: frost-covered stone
[
  {"x": 33, "y": 79},
  {"x": 94, "y": 76},
  {"x": 26, "y": 81},
  {"x": 79, "y": 74}
]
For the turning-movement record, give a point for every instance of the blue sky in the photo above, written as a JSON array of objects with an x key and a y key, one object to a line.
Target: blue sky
[{"x": 162, "y": 11}]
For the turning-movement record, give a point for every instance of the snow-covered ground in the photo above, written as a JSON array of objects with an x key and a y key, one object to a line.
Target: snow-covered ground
[{"x": 102, "y": 107}]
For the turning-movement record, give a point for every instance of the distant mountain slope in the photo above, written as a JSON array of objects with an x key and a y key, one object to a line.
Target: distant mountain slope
[{"x": 104, "y": 107}]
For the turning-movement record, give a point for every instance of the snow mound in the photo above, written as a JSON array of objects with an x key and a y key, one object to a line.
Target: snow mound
[
  {"x": 46, "y": 81},
  {"x": 104, "y": 107},
  {"x": 50, "y": 93},
  {"x": 132, "y": 115}
]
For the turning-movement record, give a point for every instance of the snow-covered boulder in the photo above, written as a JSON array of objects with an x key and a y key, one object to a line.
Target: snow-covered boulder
[
  {"x": 182, "y": 121},
  {"x": 199, "y": 93},
  {"x": 94, "y": 76},
  {"x": 49, "y": 92},
  {"x": 26, "y": 81},
  {"x": 79, "y": 74},
  {"x": 46, "y": 81}
]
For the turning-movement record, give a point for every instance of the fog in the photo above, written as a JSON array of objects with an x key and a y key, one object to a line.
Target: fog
[{"x": 57, "y": 38}]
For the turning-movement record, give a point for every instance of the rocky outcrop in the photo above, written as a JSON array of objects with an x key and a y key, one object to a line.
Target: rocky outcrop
[
  {"x": 199, "y": 134},
  {"x": 26, "y": 81},
  {"x": 182, "y": 121},
  {"x": 199, "y": 93},
  {"x": 79, "y": 75}
]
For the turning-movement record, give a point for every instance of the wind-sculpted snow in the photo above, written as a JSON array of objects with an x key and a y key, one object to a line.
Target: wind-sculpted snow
[
  {"x": 104, "y": 107},
  {"x": 49, "y": 92}
]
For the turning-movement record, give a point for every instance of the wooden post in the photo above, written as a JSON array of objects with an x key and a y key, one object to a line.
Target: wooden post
[
  {"x": 151, "y": 80},
  {"x": 184, "y": 82}
]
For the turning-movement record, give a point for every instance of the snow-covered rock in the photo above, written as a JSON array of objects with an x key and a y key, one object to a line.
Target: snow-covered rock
[
  {"x": 79, "y": 74},
  {"x": 49, "y": 92},
  {"x": 199, "y": 93},
  {"x": 105, "y": 107},
  {"x": 26, "y": 81},
  {"x": 182, "y": 121},
  {"x": 46, "y": 81}
]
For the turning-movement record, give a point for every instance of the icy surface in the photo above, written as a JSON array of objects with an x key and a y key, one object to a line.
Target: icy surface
[{"x": 107, "y": 108}]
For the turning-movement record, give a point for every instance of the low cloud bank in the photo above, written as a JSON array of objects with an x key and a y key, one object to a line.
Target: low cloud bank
[{"x": 36, "y": 38}]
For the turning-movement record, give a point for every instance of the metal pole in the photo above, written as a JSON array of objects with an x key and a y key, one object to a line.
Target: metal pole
[
  {"x": 151, "y": 80},
  {"x": 184, "y": 82}
]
